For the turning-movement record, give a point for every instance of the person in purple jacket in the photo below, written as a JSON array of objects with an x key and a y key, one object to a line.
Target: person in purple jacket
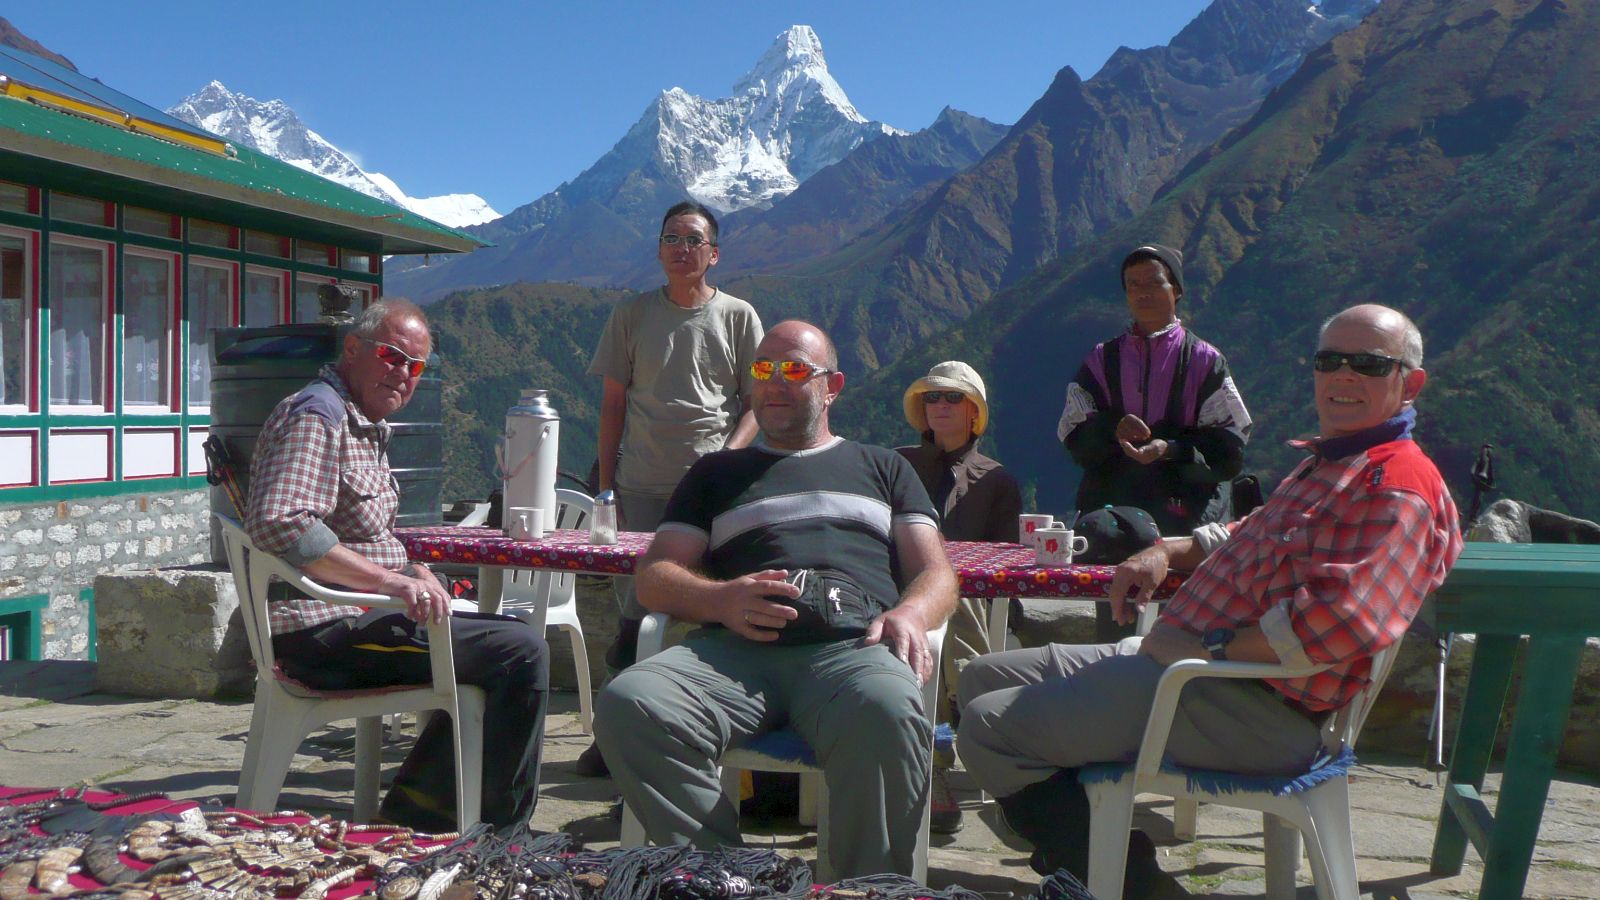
[{"x": 1153, "y": 417}]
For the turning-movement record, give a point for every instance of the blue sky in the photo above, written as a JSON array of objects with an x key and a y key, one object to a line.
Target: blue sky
[{"x": 508, "y": 99}]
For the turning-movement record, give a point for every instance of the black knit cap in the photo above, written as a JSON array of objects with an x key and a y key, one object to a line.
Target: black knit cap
[
  {"x": 1172, "y": 259},
  {"x": 1115, "y": 533}
]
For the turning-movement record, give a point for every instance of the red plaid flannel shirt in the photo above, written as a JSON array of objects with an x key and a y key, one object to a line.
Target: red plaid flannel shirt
[
  {"x": 1332, "y": 568},
  {"x": 308, "y": 472}
]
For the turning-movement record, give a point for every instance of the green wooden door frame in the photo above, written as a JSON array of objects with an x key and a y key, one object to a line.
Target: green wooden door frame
[{"x": 24, "y": 616}]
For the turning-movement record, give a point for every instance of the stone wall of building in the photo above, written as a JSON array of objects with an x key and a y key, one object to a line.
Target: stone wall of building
[{"x": 56, "y": 549}]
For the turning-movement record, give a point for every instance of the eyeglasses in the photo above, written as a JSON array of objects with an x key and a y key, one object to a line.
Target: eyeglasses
[
  {"x": 792, "y": 370},
  {"x": 932, "y": 397},
  {"x": 391, "y": 355},
  {"x": 694, "y": 241},
  {"x": 1371, "y": 365}
]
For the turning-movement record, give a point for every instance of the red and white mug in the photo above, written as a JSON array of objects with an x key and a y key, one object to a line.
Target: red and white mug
[{"x": 1056, "y": 546}]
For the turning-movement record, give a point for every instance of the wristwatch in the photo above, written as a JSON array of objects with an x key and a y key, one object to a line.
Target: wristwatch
[{"x": 1216, "y": 640}]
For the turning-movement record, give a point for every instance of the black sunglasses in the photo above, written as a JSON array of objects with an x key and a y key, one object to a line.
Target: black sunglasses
[
  {"x": 1371, "y": 365},
  {"x": 932, "y": 397}
]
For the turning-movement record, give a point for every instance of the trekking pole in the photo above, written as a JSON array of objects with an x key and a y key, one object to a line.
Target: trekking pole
[
  {"x": 1482, "y": 482},
  {"x": 220, "y": 470}
]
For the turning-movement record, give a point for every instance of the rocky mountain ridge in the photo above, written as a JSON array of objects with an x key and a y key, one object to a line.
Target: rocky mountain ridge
[{"x": 1085, "y": 157}]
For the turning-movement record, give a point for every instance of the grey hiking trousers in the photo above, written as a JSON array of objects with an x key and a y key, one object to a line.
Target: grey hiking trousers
[
  {"x": 663, "y": 722},
  {"x": 1025, "y": 714}
]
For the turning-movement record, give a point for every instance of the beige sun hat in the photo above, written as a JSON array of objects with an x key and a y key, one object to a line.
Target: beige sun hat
[{"x": 950, "y": 375}]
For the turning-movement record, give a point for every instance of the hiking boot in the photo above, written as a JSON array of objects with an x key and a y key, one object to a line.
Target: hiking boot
[
  {"x": 944, "y": 817},
  {"x": 1053, "y": 816},
  {"x": 591, "y": 764}
]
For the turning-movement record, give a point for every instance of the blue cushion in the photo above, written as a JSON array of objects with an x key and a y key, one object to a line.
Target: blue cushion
[
  {"x": 789, "y": 746},
  {"x": 1210, "y": 781},
  {"x": 783, "y": 744}
]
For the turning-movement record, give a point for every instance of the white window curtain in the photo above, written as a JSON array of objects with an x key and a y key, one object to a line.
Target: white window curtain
[
  {"x": 13, "y": 320},
  {"x": 210, "y": 308},
  {"x": 77, "y": 325},
  {"x": 263, "y": 296},
  {"x": 146, "y": 313}
]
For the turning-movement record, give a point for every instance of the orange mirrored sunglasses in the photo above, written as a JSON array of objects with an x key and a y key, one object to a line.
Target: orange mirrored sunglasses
[{"x": 791, "y": 369}]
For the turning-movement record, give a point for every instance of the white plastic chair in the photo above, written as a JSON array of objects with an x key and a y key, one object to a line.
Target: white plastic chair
[
  {"x": 1315, "y": 804},
  {"x": 813, "y": 798},
  {"x": 548, "y": 599},
  {"x": 286, "y": 710}
]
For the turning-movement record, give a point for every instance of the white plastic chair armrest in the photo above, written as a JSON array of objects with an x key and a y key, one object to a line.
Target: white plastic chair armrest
[
  {"x": 478, "y": 516},
  {"x": 653, "y": 634},
  {"x": 441, "y": 657},
  {"x": 1158, "y": 727}
]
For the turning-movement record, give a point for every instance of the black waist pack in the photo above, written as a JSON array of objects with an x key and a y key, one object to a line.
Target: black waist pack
[{"x": 832, "y": 607}]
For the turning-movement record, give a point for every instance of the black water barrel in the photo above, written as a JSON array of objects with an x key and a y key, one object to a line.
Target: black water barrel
[{"x": 254, "y": 368}]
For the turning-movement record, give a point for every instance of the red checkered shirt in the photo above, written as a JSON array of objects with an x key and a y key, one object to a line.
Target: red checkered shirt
[
  {"x": 1332, "y": 568},
  {"x": 320, "y": 474}
]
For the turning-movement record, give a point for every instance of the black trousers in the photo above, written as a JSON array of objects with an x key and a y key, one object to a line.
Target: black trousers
[{"x": 497, "y": 653}]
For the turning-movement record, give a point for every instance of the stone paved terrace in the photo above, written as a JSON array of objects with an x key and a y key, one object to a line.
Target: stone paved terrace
[{"x": 56, "y": 730}]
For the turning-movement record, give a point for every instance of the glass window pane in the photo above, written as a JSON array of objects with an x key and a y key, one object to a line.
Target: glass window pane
[
  {"x": 146, "y": 314},
  {"x": 77, "y": 300},
  {"x": 212, "y": 234},
  {"x": 355, "y": 261},
  {"x": 15, "y": 198},
  {"x": 266, "y": 244},
  {"x": 84, "y": 210},
  {"x": 314, "y": 253},
  {"x": 14, "y": 311},
  {"x": 210, "y": 308},
  {"x": 263, "y": 299},
  {"x": 149, "y": 221},
  {"x": 307, "y": 308}
]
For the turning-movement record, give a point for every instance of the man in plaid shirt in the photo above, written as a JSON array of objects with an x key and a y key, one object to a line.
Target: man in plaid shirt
[
  {"x": 1330, "y": 571},
  {"x": 323, "y": 500}
]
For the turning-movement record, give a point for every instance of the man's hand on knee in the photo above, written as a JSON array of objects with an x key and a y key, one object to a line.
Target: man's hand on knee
[{"x": 903, "y": 629}]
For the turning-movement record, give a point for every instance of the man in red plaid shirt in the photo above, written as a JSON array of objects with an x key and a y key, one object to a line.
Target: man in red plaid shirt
[
  {"x": 1330, "y": 571},
  {"x": 323, "y": 500}
]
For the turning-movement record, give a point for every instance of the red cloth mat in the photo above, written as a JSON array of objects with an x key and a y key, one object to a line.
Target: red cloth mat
[{"x": 14, "y": 796}]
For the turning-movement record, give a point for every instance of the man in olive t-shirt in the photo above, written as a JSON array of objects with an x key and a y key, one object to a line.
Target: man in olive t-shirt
[{"x": 676, "y": 370}]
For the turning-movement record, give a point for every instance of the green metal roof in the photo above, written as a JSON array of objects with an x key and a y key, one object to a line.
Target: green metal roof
[{"x": 251, "y": 187}]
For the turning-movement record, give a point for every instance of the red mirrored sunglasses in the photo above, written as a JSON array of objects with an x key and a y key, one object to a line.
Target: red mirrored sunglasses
[{"x": 391, "y": 355}]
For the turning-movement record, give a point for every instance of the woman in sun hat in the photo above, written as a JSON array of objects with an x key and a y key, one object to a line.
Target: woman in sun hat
[{"x": 977, "y": 500}]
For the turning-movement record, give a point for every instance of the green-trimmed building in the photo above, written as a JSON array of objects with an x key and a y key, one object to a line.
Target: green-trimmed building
[{"x": 126, "y": 237}]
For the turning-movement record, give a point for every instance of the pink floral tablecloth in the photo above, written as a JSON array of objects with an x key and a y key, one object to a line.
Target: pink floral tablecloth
[
  {"x": 568, "y": 549},
  {"x": 986, "y": 570}
]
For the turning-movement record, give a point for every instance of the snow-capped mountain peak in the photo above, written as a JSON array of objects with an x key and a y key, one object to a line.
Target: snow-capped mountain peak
[
  {"x": 273, "y": 128},
  {"x": 795, "y": 60},
  {"x": 787, "y": 119}
]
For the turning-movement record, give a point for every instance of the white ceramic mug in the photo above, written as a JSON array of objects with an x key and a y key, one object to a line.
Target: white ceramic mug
[
  {"x": 1028, "y": 524},
  {"x": 525, "y": 523},
  {"x": 1057, "y": 545}
]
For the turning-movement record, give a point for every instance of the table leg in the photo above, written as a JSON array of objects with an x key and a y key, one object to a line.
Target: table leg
[
  {"x": 491, "y": 584},
  {"x": 1487, "y": 686},
  {"x": 999, "y": 613},
  {"x": 1543, "y": 702}
]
